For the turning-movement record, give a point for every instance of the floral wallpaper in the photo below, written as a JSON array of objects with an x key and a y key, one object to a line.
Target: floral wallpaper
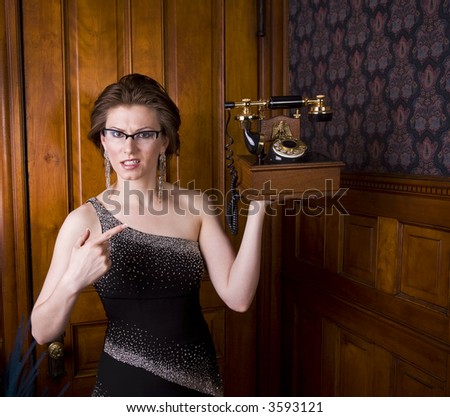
[{"x": 384, "y": 67}]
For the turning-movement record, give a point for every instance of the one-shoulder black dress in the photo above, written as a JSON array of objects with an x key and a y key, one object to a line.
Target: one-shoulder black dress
[{"x": 157, "y": 342}]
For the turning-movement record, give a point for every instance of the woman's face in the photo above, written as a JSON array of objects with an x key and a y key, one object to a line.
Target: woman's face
[{"x": 134, "y": 159}]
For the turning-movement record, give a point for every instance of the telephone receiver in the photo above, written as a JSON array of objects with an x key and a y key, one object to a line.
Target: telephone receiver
[{"x": 280, "y": 145}]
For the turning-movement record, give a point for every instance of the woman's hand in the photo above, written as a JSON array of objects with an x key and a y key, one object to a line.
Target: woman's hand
[{"x": 90, "y": 258}]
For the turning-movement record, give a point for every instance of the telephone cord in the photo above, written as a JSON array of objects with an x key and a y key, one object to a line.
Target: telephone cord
[{"x": 232, "y": 205}]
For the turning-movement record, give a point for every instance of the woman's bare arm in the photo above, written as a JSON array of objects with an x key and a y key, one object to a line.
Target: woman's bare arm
[{"x": 80, "y": 257}]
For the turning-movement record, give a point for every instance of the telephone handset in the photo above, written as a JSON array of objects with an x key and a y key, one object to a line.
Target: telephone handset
[
  {"x": 283, "y": 146},
  {"x": 275, "y": 141}
]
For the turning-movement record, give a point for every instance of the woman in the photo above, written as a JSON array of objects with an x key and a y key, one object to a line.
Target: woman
[{"x": 144, "y": 244}]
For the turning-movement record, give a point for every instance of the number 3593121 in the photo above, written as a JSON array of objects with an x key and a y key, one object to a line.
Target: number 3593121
[{"x": 295, "y": 407}]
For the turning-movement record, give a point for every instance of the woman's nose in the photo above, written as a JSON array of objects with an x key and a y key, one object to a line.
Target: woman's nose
[{"x": 129, "y": 144}]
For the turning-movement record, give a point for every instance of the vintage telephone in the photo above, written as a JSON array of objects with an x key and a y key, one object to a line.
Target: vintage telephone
[
  {"x": 284, "y": 147},
  {"x": 273, "y": 141}
]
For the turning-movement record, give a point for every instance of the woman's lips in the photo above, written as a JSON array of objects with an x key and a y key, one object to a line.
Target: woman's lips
[{"x": 130, "y": 164}]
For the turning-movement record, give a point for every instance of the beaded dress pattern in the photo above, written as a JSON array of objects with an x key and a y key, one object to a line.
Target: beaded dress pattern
[{"x": 157, "y": 342}]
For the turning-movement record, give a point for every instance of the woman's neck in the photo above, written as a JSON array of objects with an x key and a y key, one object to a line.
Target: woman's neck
[{"x": 132, "y": 196}]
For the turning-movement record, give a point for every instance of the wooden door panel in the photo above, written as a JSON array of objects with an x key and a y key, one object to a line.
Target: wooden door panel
[{"x": 87, "y": 343}]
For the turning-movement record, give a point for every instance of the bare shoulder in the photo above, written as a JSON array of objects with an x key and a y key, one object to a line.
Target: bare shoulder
[{"x": 82, "y": 218}]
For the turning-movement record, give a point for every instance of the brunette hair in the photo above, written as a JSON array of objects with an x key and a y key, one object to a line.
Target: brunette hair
[{"x": 142, "y": 90}]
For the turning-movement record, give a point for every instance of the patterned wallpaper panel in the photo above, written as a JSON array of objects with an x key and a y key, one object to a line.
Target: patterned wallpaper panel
[{"x": 384, "y": 67}]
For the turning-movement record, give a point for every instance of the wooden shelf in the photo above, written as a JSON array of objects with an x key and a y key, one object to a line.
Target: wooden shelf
[{"x": 299, "y": 179}]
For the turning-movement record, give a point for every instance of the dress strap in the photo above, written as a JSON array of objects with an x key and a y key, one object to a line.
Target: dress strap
[{"x": 106, "y": 218}]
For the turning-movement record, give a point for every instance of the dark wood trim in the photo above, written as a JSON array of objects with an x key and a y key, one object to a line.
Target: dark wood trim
[
  {"x": 14, "y": 240},
  {"x": 219, "y": 170},
  {"x": 399, "y": 184}
]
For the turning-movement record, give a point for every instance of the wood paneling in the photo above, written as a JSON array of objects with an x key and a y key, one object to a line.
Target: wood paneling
[
  {"x": 359, "y": 248},
  {"x": 412, "y": 382},
  {"x": 388, "y": 254},
  {"x": 309, "y": 242},
  {"x": 87, "y": 347},
  {"x": 425, "y": 265},
  {"x": 95, "y": 56},
  {"x": 14, "y": 254},
  {"x": 47, "y": 149},
  {"x": 189, "y": 49},
  {"x": 381, "y": 294}
]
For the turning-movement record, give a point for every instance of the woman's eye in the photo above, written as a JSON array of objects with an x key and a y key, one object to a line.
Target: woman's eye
[
  {"x": 144, "y": 135},
  {"x": 117, "y": 134}
]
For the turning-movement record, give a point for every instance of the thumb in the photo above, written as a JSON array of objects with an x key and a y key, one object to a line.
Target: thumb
[{"x": 83, "y": 238}]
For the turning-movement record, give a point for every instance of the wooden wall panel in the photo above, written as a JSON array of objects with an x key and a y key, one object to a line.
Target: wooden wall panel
[
  {"x": 359, "y": 248},
  {"x": 147, "y": 33},
  {"x": 46, "y": 133},
  {"x": 95, "y": 59},
  {"x": 106, "y": 40},
  {"x": 300, "y": 357},
  {"x": 425, "y": 265},
  {"x": 386, "y": 329},
  {"x": 355, "y": 366},
  {"x": 310, "y": 238},
  {"x": 412, "y": 382},
  {"x": 14, "y": 240},
  {"x": 189, "y": 49},
  {"x": 388, "y": 254}
]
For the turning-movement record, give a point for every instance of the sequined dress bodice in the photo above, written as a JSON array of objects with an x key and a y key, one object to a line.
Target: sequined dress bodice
[{"x": 157, "y": 341}]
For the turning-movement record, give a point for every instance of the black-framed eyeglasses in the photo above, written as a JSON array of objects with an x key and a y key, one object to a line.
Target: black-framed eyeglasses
[{"x": 118, "y": 136}]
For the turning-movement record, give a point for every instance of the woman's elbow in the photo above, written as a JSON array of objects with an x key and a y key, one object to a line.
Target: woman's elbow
[
  {"x": 37, "y": 335},
  {"x": 242, "y": 307},
  {"x": 40, "y": 340}
]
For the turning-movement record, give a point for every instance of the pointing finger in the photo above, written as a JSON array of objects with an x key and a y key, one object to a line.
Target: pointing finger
[{"x": 110, "y": 233}]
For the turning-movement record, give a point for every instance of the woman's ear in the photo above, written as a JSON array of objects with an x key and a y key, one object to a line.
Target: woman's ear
[
  {"x": 102, "y": 139},
  {"x": 164, "y": 144}
]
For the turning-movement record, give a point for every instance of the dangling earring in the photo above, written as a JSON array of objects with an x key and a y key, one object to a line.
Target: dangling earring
[
  {"x": 162, "y": 176},
  {"x": 107, "y": 170}
]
